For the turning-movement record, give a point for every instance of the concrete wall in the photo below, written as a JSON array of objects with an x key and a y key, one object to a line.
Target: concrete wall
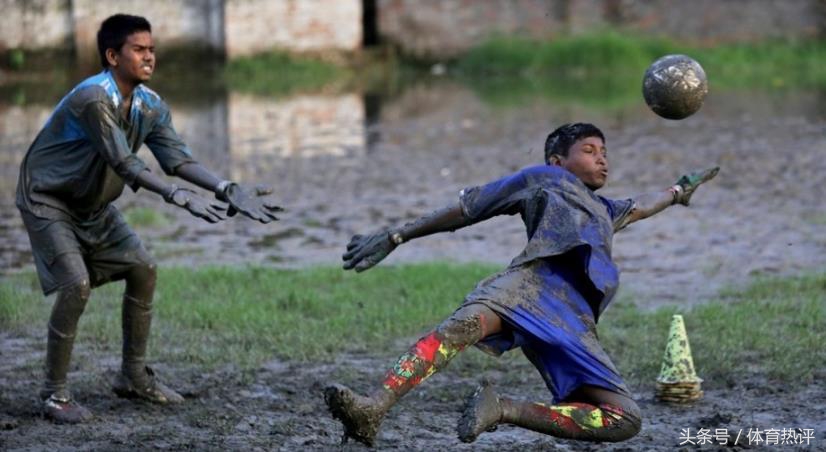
[
  {"x": 236, "y": 27},
  {"x": 427, "y": 28},
  {"x": 183, "y": 22},
  {"x": 35, "y": 24},
  {"x": 444, "y": 28},
  {"x": 254, "y": 26}
]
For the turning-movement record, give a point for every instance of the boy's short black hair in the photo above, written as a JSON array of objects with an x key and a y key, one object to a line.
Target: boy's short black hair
[
  {"x": 114, "y": 31},
  {"x": 561, "y": 139}
]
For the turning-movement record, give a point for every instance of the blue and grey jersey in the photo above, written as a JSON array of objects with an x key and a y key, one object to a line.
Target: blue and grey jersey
[
  {"x": 87, "y": 150},
  {"x": 561, "y": 215}
]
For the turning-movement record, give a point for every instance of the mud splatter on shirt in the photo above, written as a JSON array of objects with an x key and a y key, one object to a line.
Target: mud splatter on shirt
[
  {"x": 86, "y": 152},
  {"x": 561, "y": 215}
]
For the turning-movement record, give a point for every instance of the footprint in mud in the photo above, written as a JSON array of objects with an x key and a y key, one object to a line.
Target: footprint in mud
[
  {"x": 8, "y": 423},
  {"x": 271, "y": 240}
]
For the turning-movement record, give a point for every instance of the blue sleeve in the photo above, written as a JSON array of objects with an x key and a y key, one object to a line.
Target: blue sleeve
[
  {"x": 500, "y": 197},
  {"x": 164, "y": 142},
  {"x": 618, "y": 210}
]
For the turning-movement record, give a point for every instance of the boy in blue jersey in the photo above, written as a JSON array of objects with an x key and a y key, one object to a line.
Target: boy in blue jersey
[
  {"x": 78, "y": 164},
  {"x": 547, "y": 302}
]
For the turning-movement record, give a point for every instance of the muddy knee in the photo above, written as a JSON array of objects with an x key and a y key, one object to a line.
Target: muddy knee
[
  {"x": 140, "y": 281},
  {"x": 68, "y": 307},
  {"x": 628, "y": 421},
  {"x": 627, "y": 427},
  {"x": 143, "y": 275},
  {"x": 468, "y": 325}
]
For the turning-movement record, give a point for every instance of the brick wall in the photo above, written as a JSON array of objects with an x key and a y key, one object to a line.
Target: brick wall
[
  {"x": 254, "y": 26},
  {"x": 237, "y": 27},
  {"x": 428, "y": 28},
  {"x": 445, "y": 28},
  {"x": 35, "y": 24}
]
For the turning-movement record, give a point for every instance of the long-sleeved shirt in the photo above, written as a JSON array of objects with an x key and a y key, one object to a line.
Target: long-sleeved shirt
[
  {"x": 561, "y": 216},
  {"x": 86, "y": 152}
]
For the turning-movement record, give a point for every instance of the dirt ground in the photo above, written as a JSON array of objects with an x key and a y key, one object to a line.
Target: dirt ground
[
  {"x": 280, "y": 407},
  {"x": 763, "y": 215}
]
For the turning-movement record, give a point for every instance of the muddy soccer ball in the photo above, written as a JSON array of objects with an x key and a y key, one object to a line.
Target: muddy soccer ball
[{"x": 675, "y": 86}]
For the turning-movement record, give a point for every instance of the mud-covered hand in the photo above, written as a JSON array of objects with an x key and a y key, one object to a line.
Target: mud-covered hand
[
  {"x": 251, "y": 203},
  {"x": 365, "y": 251},
  {"x": 686, "y": 185},
  {"x": 198, "y": 206}
]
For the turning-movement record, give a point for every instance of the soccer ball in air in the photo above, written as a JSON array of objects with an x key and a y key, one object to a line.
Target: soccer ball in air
[{"x": 675, "y": 86}]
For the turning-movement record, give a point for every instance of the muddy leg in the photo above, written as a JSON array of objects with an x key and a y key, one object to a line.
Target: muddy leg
[
  {"x": 137, "y": 320},
  {"x": 136, "y": 379},
  {"x": 67, "y": 309},
  {"x": 362, "y": 416},
  {"x": 598, "y": 415}
]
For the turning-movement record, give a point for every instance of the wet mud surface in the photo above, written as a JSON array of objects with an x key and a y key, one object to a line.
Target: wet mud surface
[
  {"x": 281, "y": 407},
  {"x": 763, "y": 215}
]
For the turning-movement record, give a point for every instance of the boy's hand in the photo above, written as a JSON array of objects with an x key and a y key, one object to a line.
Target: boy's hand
[
  {"x": 210, "y": 211},
  {"x": 686, "y": 185},
  {"x": 364, "y": 252},
  {"x": 252, "y": 204}
]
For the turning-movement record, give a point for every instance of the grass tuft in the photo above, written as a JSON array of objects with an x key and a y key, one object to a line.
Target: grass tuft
[
  {"x": 605, "y": 70},
  {"x": 280, "y": 73},
  {"x": 145, "y": 217},
  {"x": 248, "y": 315}
]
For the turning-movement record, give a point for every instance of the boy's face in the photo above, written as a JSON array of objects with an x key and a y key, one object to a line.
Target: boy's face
[
  {"x": 588, "y": 160},
  {"x": 135, "y": 61}
]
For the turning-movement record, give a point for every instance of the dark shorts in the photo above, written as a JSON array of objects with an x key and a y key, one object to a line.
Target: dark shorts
[
  {"x": 552, "y": 323},
  {"x": 66, "y": 251}
]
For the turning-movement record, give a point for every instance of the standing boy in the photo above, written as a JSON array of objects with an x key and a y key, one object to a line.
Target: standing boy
[
  {"x": 77, "y": 166},
  {"x": 547, "y": 302}
]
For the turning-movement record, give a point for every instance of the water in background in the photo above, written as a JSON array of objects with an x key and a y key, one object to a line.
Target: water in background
[{"x": 348, "y": 162}]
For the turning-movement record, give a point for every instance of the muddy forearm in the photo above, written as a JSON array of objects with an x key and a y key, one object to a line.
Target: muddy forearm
[
  {"x": 200, "y": 176},
  {"x": 649, "y": 204},
  {"x": 448, "y": 218},
  {"x": 153, "y": 183}
]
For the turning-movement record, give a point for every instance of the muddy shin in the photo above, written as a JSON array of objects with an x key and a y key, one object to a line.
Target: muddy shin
[
  {"x": 67, "y": 309},
  {"x": 137, "y": 321}
]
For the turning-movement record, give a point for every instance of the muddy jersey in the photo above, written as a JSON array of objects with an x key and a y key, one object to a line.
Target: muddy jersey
[
  {"x": 86, "y": 152},
  {"x": 562, "y": 217}
]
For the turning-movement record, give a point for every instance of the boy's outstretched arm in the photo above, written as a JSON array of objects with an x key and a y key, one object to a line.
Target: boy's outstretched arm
[
  {"x": 252, "y": 203},
  {"x": 680, "y": 193},
  {"x": 365, "y": 251}
]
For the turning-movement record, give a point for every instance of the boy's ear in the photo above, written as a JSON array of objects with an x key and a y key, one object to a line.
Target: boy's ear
[
  {"x": 111, "y": 57},
  {"x": 555, "y": 159}
]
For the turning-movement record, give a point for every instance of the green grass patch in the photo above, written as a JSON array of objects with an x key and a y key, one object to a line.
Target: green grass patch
[
  {"x": 605, "y": 70},
  {"x": 249, "y": 315},
  {"x": 145, "y": 217},
  {"x": 280, "y": 73},
  {"x": 776, "y": 327}
]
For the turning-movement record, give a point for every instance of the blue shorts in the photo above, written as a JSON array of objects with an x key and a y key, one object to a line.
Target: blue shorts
[{"x": 542, "y": 303}]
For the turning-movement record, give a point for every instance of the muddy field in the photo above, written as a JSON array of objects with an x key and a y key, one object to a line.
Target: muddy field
[
  {"x": 281, "y": 407},
  {"x": 764, "y": 214}
]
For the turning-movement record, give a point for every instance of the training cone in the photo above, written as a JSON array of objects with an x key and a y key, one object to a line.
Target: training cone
[{"x": 678, "y": 382}]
